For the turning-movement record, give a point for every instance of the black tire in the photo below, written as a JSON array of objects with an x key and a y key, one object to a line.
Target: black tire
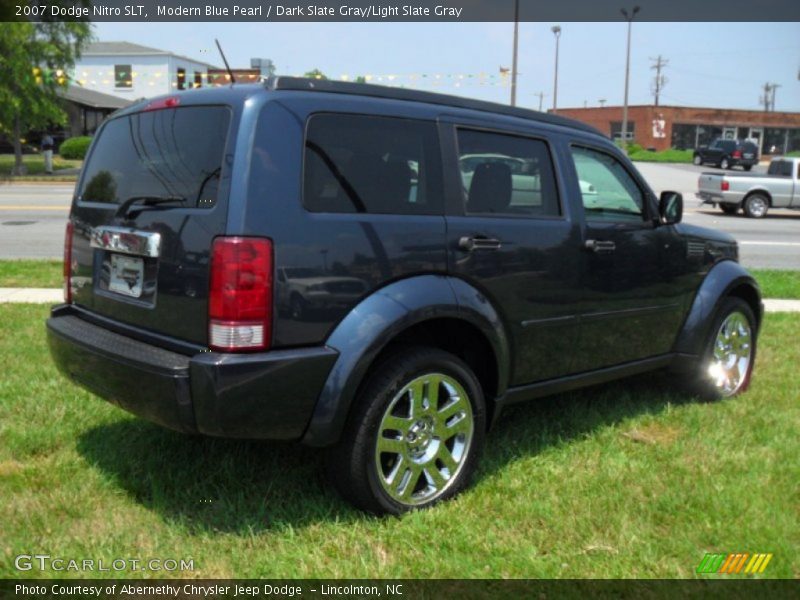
[
  {"x": 701, "y": 381},
  {"x": 698, "y": 160},
  {"x": 756, "y": 206},
  {"x": 724, "y": 163},
  {"x": 747, "y": 167},
  {"x": 355, "y": 466},
  {"x": 729, "y": 209}
]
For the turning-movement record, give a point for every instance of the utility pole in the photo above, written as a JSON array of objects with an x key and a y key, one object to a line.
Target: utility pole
[
  {"x": 514, "y": 58},
  {"x": 629, "y": 19},
  {"x": 541, "y": 96},
  {"x": 660, "y": 81},
  {"x": 765, "y": 98},
  {"x": 775, "y": 86}
]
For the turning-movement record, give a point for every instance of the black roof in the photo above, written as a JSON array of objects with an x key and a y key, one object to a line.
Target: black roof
[{"x": 380, "y": 91}]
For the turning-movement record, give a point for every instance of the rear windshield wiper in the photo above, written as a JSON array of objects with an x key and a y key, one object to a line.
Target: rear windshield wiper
[{"x": 147, "y": 201}]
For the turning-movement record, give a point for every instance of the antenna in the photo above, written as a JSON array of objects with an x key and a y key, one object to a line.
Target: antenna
[{"x": 225, "y": 60}]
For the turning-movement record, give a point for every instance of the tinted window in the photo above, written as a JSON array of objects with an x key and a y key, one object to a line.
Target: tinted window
[
  {"x": 172, "y": 152},
  {"x": 780, "y": 167},
  {"x": 506, "y": 175},
  {"x": 368, "y": 164},
  {"x": 608, "y": 191}
]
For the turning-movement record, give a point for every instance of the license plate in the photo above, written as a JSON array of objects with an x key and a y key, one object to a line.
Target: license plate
[
  {"x": 748, "y": 156},
  {"x": 127, "y": 275}
]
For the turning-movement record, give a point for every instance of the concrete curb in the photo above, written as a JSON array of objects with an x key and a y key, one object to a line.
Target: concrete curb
[{"x": 54, "y": 296}]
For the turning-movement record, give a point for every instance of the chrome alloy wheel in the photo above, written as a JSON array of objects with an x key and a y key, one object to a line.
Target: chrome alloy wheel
[
  {"x": 423, "y": 439},
  {"x": 757, "y": 206},
  {"x": 732, "y": 353}
]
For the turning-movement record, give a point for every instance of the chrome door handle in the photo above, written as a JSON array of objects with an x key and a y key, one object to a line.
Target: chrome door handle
[
  {"x": 600, "y": 246},
  {"x": 468, "y": 244}
]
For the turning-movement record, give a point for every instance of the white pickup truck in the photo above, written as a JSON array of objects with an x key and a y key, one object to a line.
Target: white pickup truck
[{"x": 755, "y": 194}]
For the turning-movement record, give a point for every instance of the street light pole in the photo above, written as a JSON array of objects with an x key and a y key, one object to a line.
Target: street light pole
[
  {"x": 556, "y": 29},
  {"x": 629, "y": 19},
  {"x": 514, "y": 58}
]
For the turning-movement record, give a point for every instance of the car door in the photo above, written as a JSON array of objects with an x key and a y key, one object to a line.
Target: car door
[
  {"x": 633, "y": 298},
  {"x": 511, "y": 237}
]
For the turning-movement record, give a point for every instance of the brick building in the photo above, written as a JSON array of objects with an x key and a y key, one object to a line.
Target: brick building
[{"x": 663, "y": 127}]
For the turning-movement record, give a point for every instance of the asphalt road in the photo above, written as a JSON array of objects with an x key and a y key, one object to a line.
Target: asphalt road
[{"x": 32, "y": 219}]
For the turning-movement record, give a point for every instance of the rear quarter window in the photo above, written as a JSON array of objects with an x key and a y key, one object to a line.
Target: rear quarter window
[
  {"x": 173, "y": 152},
  {"x": 371, "y": 164}
]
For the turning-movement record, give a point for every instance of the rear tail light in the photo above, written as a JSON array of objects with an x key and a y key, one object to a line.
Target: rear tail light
[
  {"x": 68, "y": 263},
  {"x": 724, "y": 185},
  {"x": 736, "y": 154},
  {"x": 240, "y": 296}
]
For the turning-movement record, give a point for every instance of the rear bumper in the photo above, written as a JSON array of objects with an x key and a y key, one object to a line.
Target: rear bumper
[
  {"x": 719, "y": 197},
  {"x": 269, "y": 395}
]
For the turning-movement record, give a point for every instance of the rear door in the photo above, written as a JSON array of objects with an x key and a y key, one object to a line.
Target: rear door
[
  {"x": 633, "y": 301},
  {"x": 152, "y": 196},
  {"x": 511, "y": 236}
]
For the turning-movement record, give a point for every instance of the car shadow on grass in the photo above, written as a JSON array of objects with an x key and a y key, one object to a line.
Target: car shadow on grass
[{"x": 208, "y": 484}]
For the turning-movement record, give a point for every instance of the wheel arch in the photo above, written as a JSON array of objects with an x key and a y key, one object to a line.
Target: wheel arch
[
  {"x": 727, "y": 278},
  {"x": 761, "y": 191},
  {"x": 441, "y": 311}
]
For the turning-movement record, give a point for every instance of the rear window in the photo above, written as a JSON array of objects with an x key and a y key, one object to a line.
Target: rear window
[
  {"x": 174, "y": 152},
  {"x": 367, "y": 164},
  {"x": 780, "y": 167}
]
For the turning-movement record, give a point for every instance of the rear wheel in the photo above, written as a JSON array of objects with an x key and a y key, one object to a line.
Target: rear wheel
[
  {"x": 756, "y": 206},
  {"x": 747, "y": 167},
  {"x": 724, "y": 164},
  {"x": 414, "y": 435},
  {"x": 726, "y": 365},
  {"x": 729, "y": 209}
]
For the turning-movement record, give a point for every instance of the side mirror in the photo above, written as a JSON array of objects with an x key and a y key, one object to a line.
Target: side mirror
[{"x": 670, "y": 207}]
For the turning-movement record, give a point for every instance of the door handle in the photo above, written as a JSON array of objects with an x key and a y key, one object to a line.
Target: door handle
[
  {"x": 468, "y": 243},
  {"x": 600, "y": 246}
]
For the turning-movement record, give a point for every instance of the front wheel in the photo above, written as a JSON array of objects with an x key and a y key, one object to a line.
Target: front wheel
[
  {"x": 756, "y": 206},
  {"x": 724, "y": 164},
  {"x": 726, "y": 365},
  {"x": 697, "y": 159},
  {"x": 414, "y": 435}
]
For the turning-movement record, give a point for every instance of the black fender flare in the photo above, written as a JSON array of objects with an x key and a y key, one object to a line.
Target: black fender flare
[
  {"x": 378, "y": 319},
  {"x": 725, "y": 277}
]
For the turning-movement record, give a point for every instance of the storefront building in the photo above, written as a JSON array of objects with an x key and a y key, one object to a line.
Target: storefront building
[{"x": 663, "y": 127}]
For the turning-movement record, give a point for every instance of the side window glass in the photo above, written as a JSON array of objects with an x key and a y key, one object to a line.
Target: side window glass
[
  {"x": 366, "y": 164},
  {"x": 608, "y": 191},
  {"x": 506, "y": 175}
]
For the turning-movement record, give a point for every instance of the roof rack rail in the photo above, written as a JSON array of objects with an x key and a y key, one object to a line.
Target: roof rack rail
[{"x": 394, "y": 93}]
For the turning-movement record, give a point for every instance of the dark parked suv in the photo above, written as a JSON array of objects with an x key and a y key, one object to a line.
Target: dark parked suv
[
  {"x": 727, "y": 154},
  {"x": 379, "y": 272}
]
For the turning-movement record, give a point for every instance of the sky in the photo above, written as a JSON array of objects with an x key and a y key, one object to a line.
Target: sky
[{"x": 720, "y": 65}]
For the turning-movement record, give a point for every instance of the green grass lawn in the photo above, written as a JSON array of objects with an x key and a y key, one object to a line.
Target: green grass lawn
[
  {"x": 668, "y": 156},
  {"x": 632, "y": 479},
  {"x": 31, "y": 273},
  {"x": 47, "y": 273},
  {"x": 35, "y": 163}
]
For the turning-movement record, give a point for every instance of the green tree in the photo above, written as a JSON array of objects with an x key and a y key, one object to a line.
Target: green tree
[
  {"x": 36, "y": 60},
  {"x": 315, "y": 74}
]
